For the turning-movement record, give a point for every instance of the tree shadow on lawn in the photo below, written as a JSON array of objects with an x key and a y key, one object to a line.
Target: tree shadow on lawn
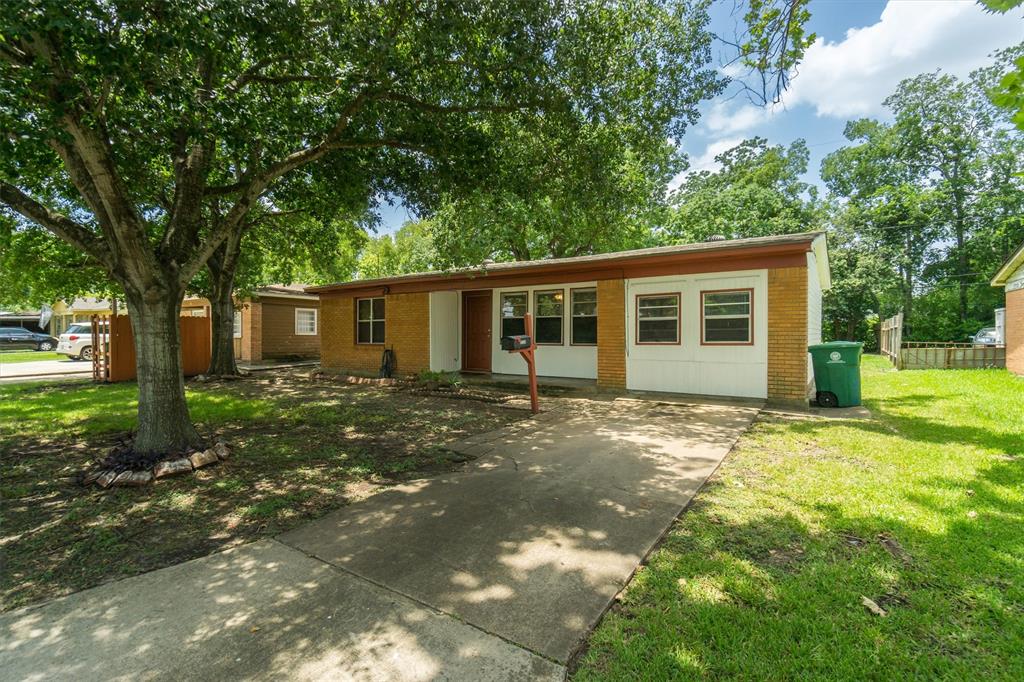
[
  {"x": 295, "y": 457},
  {"x": 775, "y": 597},
  {"x": 779, "y": 595}
]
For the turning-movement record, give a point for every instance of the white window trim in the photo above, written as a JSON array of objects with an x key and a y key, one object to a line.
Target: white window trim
[
  {"x": 561, "y": 318},
  {"x": 237, "y": 329},
  {"x": 371, "y": 320},
  {"x": 677, "y": 318},
  {"x": 316, "y": 321}
]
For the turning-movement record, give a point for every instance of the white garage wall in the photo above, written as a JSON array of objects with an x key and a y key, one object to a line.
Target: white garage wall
[
  {"x": 813, "y": 310},
  {"x": 445, "y": 326},
  {"x": 578, "y": 362},
  {"x": 691, "y": 367}
]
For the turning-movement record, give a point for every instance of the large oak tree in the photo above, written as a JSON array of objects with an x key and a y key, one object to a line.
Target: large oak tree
[{"x": 150, "y": 135}]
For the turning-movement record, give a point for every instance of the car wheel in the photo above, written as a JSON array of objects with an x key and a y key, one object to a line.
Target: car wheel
[
  {"x": 86, "y": 353},
  {"x": 46, "y": 346}
]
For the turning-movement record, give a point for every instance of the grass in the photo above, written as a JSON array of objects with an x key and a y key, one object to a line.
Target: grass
[
  {"x": 920, "y": 510},
  {"x": 300, "y": 450},
  {"x": 10, "y": 357}
]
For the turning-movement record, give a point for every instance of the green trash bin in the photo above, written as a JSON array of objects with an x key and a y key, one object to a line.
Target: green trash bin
[{"x": 837, "y": 372}]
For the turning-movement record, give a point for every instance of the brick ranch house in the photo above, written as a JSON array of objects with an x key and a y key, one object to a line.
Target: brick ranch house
[
  {"x": 1011, "y": 278},
  {"x": 274, "y": 322},
  {"x": 725, "y": 318}
]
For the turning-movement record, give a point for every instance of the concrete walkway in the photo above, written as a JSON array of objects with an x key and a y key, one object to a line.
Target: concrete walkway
[{"x": 525, "y": 548}]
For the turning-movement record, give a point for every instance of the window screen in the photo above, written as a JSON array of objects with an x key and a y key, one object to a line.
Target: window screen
[
  {"x": 657, "y": 318},
  {"x": 549, "y": 306},
  {"x": 236, "y": 325},
  {"x": 584, "y": 317},
  {"x": 727, "y": 316},
  {"x": 370, "y": 320}
]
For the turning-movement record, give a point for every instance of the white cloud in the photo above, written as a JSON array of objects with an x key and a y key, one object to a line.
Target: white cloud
[
  {"x": 706, "y": 161},
  {"x": 724, "y": 119},
  {"x": 851, "y": 77}
]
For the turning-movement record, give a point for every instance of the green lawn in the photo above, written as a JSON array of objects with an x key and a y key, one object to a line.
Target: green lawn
[
  {"x": 920, "y": 510},
  {"x": 7, "y": 356},
  {"x": 300, "y": 450}
]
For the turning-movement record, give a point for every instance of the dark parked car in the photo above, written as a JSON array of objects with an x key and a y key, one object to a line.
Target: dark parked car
[{"x": 12, "y": 338}]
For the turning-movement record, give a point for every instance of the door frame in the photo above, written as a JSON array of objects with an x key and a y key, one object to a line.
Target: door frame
[{"x": 466, "y": 295}]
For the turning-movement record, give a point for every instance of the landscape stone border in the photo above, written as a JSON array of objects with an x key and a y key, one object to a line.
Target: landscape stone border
[{"x": 111, "y": 478}]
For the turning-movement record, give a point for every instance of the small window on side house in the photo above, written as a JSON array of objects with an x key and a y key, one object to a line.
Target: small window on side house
[
  {"x": 305, "y": 321},
  {"x": 370, "y": 320},
  {"x": 236, "y": 325},
  {"x": 657, "y": 319},
  {"x": 584, "y": 317}
]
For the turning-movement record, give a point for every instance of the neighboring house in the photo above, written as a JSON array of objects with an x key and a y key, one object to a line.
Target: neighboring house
[
  {"x": 32, "y": 320},
  {"x": 274, "y": 322},
  {"x": 729, "y": 318},
  {"x": 1011, "y": 278},
  {"x": 79, "y": 310}
]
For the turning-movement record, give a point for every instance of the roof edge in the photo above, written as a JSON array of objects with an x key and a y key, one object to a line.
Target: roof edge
[
  {"x": 1008, "y": 268},
  {"x": 796, "y": 240}
]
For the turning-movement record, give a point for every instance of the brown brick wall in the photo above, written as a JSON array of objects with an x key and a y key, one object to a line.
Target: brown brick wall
[
  {"x": 407, "y": 332},
  {"x": 278, "y": 326},
  {"x": 1015, "y": 331},
  {"x": 611, "y": 334},
  {"x": 787, "y": 335}
]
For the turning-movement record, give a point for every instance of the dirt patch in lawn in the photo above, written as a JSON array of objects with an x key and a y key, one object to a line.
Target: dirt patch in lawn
[{"x": 301, "y": 450}]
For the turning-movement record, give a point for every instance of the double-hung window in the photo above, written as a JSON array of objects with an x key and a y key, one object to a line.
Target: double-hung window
[
  {"x": 583, "y": 306},
  {"x": 727, "y": 317},
  {"x": 550, "y": 307},
  {"x": 657, "y": 319},
  {"x": 370, "y": 320},
  {"x": 236, "y": 325},
  {"x": 513, "y": 313},
  {"x": 305, "y": 321}
]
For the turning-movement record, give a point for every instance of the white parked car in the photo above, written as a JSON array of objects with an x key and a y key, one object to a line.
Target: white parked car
[{"x": 76, "y": 342}]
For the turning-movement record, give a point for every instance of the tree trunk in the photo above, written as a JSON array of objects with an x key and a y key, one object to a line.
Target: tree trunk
[
  {"x": 222, "y": 266},
  {"x": 164, "y": 423},
  {"x": 222, "y": 321}
]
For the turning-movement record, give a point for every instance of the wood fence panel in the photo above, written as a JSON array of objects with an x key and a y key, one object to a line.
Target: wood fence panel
[{"x": 115, "y": 360}]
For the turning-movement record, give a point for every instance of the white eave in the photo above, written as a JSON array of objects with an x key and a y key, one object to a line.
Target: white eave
[{"x": 1015, "y": 262}]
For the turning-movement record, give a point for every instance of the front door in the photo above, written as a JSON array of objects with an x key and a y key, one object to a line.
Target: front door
[{"x": 476, "y": 331}]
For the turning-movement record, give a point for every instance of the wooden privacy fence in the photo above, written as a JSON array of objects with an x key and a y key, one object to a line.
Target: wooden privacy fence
[
  {"x": 936, "y": 354},
  {"x": 113, "y": 357}
]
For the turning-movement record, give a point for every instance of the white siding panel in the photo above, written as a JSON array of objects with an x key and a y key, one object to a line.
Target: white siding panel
[
  {"x": 445, "y": 347},
  {"x": 814, "y": 309},
  {"x": 691, "y": 367}
]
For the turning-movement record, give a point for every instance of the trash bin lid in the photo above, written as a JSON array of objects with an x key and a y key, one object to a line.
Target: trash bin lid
[{"x": 836, "y": 344}]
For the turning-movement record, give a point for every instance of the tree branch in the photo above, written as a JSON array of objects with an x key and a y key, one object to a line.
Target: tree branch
[{"x": 59, "y": 224}]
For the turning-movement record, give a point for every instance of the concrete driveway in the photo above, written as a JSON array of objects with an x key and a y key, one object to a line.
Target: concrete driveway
[{"x": 496, "y": 572}]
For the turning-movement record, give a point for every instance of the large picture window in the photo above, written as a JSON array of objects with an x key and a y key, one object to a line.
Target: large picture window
[
  {"x": 370, "y": 320},
  {"x": 583, "y": 306},
  {"x": 657, "y": 319},
  {"x": 728, "y": 317},
  {"x": 550, "y": 308},
  {"x": 513, "y": 313}
]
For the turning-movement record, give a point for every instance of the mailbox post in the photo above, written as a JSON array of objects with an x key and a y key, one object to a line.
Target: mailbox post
[{"x": 525, "y": 346}]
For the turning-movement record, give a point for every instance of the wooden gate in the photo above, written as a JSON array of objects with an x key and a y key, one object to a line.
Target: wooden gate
[
  {"x": 113, "y": 357},
  {"x": 892, "y": 338}
]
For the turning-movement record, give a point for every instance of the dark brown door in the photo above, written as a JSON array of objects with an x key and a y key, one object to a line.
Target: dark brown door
[{"x": 476, "y": 331}]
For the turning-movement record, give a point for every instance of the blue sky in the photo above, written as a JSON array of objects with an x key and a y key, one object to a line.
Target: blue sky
[{"x": 863, "y": 49}]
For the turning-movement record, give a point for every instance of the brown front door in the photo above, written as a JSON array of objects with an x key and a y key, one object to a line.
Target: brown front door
[{"x": 476, "y": 331}]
